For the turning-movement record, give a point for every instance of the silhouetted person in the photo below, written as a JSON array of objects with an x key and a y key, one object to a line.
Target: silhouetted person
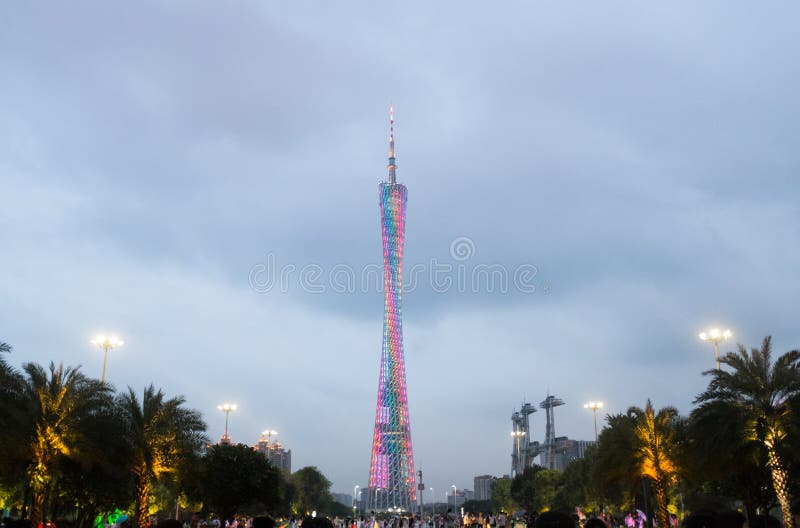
[
  {"x": 554, "y": 519},
  {"x": 700, "y": 519},
  {"x": 594, "y": 522},
  {"x": 730, "y": 519},
  {"x": 263, "y": 522},
  {"x": 170, "y": 523},
  {"x": 764, "y": 521}
]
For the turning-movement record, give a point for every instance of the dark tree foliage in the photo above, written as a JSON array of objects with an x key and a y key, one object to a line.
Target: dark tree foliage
[
  {"x": 721, "y": 465},
  {"x": 233, "y": 476},
  {"x": 764, "y": 392},
  {"x": 312, "y": 491},
  {"x": 535, "y": 488}
]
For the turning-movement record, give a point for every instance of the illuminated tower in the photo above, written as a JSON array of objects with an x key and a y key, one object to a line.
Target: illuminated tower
[{"x": 391, "y": 472}]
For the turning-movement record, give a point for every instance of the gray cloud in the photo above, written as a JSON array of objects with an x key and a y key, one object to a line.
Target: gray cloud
[{"x": 643, "y": 157}]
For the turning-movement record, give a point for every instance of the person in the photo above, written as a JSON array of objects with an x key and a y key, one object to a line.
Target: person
[
  {"x": 730, "y": 519},
  {"x": 554, "y": 519},
  {"x": 501, "y": 519},
  {"x": 700, "y": 519},
  {"x": 595, "y": 522},
  {"x": 764, "y": 521},
  {"x": 263, "y": 522}
]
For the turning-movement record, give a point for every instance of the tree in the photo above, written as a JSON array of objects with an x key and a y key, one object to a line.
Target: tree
[
  {"x": 576, "y": 487},
  {"x": 765, "y": 392},
  {"x": 57, "y": 404},
  {"x": 535, "y": 488},
  {"x": 13, "y": 421},
  {"x": 655, "y": 451},
  {"x": 501, "y": 495},
  {"x": 615, "y": 465},
  {"x": 162, "y": 433},
  {"x": 641, "y": 443},
  {"x": 721, "y": 464},
  {"x": 312, "y": 490},
  {"x": 237, "y": 475}
]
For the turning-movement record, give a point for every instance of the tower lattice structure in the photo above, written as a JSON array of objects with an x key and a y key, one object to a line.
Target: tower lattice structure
[
  {"x": 391, "y": 473},
  {"x": 551, "y": 449}
]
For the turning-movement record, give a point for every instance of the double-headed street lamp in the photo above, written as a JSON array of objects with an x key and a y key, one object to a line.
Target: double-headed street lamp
[
  {"x": 269, "y": 433},
  {"x": 106, "y": 343},
  {"x": 715, "y": 336},
  {"x": 594, "y": 405},
  {"x": 227, "y": 408}
]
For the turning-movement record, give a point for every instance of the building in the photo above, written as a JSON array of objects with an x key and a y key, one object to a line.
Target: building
[
  {"x": 483, "y": 487},
  {"x": 566, "y": 450},
  {"x": 274, "y": 452},
  {"x": 343, "y": 498},
  {"x": 392, "y": 482},
  {"x": 576, "y": 449},
  {"x": 462, "y": 496}
]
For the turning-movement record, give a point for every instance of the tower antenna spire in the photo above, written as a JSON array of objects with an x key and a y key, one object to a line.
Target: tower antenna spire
[{"x": 392, "y": 162}]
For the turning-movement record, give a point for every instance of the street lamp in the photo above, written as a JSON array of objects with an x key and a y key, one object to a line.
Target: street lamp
[
  {"x": 594, "y": 405},
  {"x": 269, "y": 433},
  {"x": 106, "y": 343},
  {"x": 715, "y": 336},
  {"x": 433, "y": 506},
  {"x": 517, "y": 436},
  {"x": 227, "y": 408},
  {"x": 455, "y": 506},
  {"x": 355, "y": 498}
]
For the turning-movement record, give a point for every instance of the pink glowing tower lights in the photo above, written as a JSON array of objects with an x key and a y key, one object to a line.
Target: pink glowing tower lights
[{"x": 391, "y": 474}]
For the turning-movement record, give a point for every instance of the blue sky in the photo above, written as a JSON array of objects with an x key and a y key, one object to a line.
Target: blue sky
[{"x": 642, "y": 157}]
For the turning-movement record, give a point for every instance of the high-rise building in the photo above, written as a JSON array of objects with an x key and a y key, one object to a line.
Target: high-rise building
[
  {"x": 344, "y": 499},
  {"x": 391, "y": 473},
  {"x": 483, "y": 487},
  {"x": 274, "y": 452}
]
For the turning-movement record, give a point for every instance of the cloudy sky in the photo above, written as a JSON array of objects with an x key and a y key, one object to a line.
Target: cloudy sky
[{"x": 163, "y": 165}]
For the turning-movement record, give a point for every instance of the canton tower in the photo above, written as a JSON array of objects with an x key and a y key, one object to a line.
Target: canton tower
[{"x": 391, "y": 471}]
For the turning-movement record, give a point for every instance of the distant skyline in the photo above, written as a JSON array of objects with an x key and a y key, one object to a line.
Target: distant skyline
[{"x": 638, "y": 163}]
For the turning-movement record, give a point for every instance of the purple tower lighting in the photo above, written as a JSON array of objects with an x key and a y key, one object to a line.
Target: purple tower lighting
[{"x": 391, "y": 472}]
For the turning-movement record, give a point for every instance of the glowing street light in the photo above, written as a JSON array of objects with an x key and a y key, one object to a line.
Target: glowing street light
[
  {"x": 355, "y": 498},
  {"x": 433, "y": 505},
  {"x": 594, "y": 405},
  {"x": 227, "y": 408},
  {"x": 455, "y": 506},
  {"x": 715, "y": 336},
  {"x": 106, "y": 343},
  {"x": 269, "y": 433}
]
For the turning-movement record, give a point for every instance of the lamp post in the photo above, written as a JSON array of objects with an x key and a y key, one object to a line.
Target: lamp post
[
  {"x": 455, "y": 506},
  {"x": 517, "y": 436},
  {"x": 106, "y": 343},
  {"x": 715, "y": 336},
  {"x": 594, "y": 405},
  {"x": 433, "y": 507},
  {"x": 269, "y": 433},
  {"x": 355, "y": 498},
  {"x": 227, "y": 408}
]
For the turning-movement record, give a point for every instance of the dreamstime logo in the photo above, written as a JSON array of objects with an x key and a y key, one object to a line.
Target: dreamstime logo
[
  {"x": 462, "y": 248},
  {"x": 455, "y": 274}
]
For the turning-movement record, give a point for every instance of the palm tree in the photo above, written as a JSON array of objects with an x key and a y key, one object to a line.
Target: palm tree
[
  {"x": 764, "y": 391},
  {"x": 718, "y": 455},
  {"x": 58, "y": 402},
  {"x": 655, "y": 445},
  {"x": 162, "y": 433},
  {"x": 640, "y": 443}
]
